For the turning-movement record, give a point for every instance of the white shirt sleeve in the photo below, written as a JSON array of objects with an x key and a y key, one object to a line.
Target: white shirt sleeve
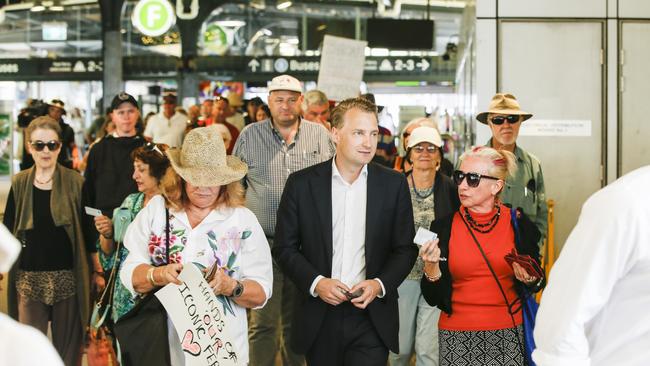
[
  {"x": 312, "y": 288},
  {"x": 256, "y": 263},
  {"x": 136, "y": 241},
  {"x": 148, "y": 130},
  {"x": 596, "y": 255}
]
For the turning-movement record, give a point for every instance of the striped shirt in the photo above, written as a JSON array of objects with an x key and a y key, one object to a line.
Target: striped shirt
[{"x": 270, "y": 161}]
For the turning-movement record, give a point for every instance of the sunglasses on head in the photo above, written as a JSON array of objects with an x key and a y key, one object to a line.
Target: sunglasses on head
[
  {"x": 473, "y": 179},
  {"x": 39, "y": 145},
  {"x": 499, "y": 120},
  {"x": 420, "y": 149},
  {"x": 150, "y": 146}
]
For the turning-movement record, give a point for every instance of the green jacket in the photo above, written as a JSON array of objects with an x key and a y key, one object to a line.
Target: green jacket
[
  {"x": 65, "y": 204},
  {"x": 526, "y": 189}
]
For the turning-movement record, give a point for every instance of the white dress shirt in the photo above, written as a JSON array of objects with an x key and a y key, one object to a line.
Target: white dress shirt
[
  {"x": 166, "y": 131},
  {"x": 596, "y": 308},
  {"x": 348, "y": 229}
]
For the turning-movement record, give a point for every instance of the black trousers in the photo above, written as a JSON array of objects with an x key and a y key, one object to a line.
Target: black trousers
[{"x": 347, "y": 338}]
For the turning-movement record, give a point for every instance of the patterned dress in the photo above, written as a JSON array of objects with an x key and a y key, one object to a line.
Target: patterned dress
[{"x": 122, "y": 300}]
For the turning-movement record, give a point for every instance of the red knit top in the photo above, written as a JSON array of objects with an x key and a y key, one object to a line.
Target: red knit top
[{"x": 477, "y": 302}]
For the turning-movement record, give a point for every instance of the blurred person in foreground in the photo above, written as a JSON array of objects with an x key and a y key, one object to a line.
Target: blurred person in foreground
[
  {"x": 21, "y": 345},
  {"x": 476, "y": 288},
  {"x": 594, "y": 311}
]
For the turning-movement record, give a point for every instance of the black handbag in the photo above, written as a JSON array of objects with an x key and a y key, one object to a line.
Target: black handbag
[{"x": 142, "y": 332}]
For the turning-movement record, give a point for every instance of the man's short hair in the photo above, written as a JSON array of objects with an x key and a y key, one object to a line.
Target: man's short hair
[
  {"x": 314, "y": 97},
  {"x": 342, "y": 108}
]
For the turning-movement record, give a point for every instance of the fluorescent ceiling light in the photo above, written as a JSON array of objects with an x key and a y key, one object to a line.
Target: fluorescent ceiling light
[
  {"x": 56, "y": 6},
  {"x": 283, "y": 5},
  {"x": 38, "y": 7},
  {"x": 231, "y": 23}
]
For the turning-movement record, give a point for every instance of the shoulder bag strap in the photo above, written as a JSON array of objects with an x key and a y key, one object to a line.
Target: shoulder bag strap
[
  {"x": 503, "y": 293},
  {"x": 494, "y": 275},
  {"x": 167, "y": 234}
]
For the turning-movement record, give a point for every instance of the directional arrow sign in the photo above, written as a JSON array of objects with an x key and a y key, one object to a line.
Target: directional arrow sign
[
  {"x": 423, "y": 64},
  {"x": 254, "y": 64}
]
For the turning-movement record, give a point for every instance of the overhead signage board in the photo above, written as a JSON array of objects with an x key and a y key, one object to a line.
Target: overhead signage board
[
  {"x": 51, "y": 69},
  {"x": 341, "y": 67},
  {"x": 153, "y": 17},
  {"x": 376, "y": 65}
]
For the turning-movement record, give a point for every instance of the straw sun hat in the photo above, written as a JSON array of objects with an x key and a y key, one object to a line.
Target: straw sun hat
[
  {"x": 202, "y": 159},
  {"x": 503, "y": 103}
]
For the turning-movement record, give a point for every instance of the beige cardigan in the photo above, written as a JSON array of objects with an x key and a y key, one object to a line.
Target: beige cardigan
[{"x": 65, "y": 205}]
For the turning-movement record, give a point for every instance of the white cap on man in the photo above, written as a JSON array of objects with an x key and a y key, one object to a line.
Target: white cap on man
[{"x": 285, "y": 82}]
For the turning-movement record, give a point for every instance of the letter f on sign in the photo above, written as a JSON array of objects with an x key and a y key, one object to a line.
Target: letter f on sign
[{"x": 153, "y": 15}]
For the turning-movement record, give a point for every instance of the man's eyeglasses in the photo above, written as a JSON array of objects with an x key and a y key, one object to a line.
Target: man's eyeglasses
[
  {"x": 150, "y": 146},
  {"x": 473, "y": 179},
  {"x": 39, "y": 145},
  {"x": 499, "y": 120},
  {"x": 420, "y": 149}
]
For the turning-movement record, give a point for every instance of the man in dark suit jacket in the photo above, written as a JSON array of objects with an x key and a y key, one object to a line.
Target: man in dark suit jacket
[{"x": 344, "y": 235}]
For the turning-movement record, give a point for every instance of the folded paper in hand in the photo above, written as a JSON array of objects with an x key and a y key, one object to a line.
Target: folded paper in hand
[{"x": 423, "y": 235}]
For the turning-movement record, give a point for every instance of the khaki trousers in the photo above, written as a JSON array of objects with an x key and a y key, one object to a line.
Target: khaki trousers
[{"x": 66, "y": 326}]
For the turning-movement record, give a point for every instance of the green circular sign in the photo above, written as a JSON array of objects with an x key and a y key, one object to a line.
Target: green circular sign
[{"x": 153, "y": 17}]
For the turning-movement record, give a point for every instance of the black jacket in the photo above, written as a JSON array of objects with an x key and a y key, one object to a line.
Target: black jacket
[
  {"x": 303, "y": 245},
  {"x": 445, "y": 193},
  {"x": 439, "y": 293}
]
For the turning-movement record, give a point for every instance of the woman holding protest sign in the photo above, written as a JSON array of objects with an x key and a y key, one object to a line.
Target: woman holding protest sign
[{"x": 203, "y": 217}]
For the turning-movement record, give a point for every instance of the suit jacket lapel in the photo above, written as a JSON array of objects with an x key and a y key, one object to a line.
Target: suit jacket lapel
[
  {"x": 373, "y": 207},
  {"x": 321, "y": 190}
]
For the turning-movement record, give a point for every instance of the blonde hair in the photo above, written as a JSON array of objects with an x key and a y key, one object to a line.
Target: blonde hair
[
  {"x": 503, "y": 163},
  {"x": 172, "y": 187},
  {"x": 358, "y": 103}
]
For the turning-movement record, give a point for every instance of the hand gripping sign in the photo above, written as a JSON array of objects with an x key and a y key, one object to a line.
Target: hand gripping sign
[{"x": 206, "y": 333}]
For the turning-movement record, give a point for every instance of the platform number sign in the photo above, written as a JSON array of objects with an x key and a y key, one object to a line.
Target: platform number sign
[{"x": 153, "y": 17}]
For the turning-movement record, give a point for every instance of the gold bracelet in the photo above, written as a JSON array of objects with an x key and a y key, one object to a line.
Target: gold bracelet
[
  {"x": 432, "y": 278},
  {"x": 150, "y": 277}
]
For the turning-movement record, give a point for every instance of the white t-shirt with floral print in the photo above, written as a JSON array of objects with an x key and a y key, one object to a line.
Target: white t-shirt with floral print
[{"x": 231, "y": 236}]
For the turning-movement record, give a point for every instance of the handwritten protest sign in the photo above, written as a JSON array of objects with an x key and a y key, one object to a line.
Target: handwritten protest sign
[
  {"x": 204, "y": 330},
  {"x": 341, "y": 67}
]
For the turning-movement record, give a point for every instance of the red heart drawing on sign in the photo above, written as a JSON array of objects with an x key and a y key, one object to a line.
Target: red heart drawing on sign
[{"x": 189, "y": 345}]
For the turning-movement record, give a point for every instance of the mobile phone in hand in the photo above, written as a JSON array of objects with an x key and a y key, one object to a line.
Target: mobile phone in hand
[{"x": 353, "y": 295}]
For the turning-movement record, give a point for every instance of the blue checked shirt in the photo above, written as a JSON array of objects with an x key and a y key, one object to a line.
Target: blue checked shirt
[{"x": 270, "y": 161}]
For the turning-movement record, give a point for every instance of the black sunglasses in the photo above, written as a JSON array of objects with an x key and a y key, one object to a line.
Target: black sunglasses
[
  {"x": 512, "y": 119},
  {"x": 150, "y": 146},
  {"x": 473, "y": 179},
  {"x": 39, "y": 145}
]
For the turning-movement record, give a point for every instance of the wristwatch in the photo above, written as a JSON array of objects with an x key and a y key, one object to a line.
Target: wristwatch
[{"x": 238, "y": 290}]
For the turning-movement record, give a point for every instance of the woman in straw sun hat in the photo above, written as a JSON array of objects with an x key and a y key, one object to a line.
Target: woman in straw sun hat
[{"x": 208, "y": 225}]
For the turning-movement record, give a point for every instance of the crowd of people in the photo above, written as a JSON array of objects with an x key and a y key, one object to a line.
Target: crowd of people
[{"x": 311, "y": 217}]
